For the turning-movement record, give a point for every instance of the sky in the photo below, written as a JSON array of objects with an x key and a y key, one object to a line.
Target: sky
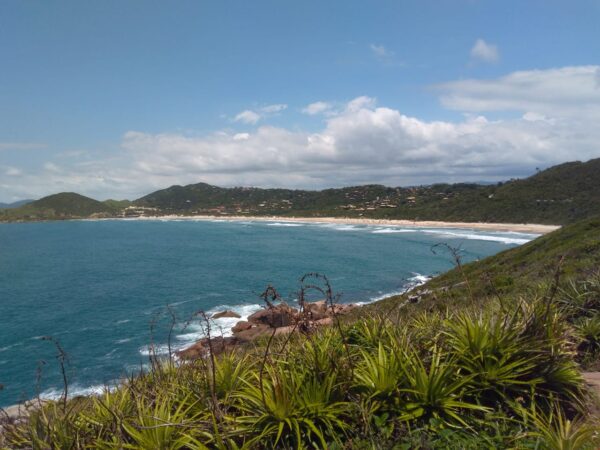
[{"x": 115, "y": 99}]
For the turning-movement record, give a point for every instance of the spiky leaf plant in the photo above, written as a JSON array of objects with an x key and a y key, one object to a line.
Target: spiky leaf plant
[
  {"x": 291, "y": 409},
  {"x": 437, "y": 391}
]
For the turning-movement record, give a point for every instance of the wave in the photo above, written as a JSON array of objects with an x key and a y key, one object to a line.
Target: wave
[
  {"x": 392, "y": 230},
  {"x": 8, "y": 347},
  {"x": 415, "y": 281},
  {"x": 285, "y": 224},
  {"x": 484, "y": 237},
  {"x": 219, "y": 327},
  {"x": 339, "y": 227},
  {"x": 76, "y": 391},
  {"x": 156, "y": 349}
]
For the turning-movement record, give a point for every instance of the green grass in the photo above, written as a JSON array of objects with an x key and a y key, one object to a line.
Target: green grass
[{"x": 572, "y": 253}]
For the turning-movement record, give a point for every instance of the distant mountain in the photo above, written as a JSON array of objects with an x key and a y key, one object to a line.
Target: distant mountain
[
  {"x": 559, "y": 195},
  {"x": 15, "y": 204},
  {"x": 66, "y": 205}
]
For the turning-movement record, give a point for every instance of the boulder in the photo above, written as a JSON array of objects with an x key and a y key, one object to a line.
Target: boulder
[
  {"x": 284, "y": 330},
  {"x": 250, "y": 334},
  {"x": 202, "y": 347},
  {"x": 344, "y": 308},
  {"x": 226, "y": 313},
  {"x": 281, "y": 315},
  {"x": 316, "y": 310},
  {"x": 242, "y": 325},
  {"x": 324, "y": 322}
]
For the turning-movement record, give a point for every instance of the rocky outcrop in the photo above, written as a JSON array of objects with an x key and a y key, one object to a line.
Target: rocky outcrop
[
  {"x": 285, "y": 319},
  {"x": 281, "y": 319},
  {"x": 226, "y": 313}
]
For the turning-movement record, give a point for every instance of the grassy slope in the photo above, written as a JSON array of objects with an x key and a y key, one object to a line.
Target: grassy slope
[{"x": 515, "y": 271}]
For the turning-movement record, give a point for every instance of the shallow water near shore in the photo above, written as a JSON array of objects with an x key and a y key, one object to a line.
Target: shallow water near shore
[{"x": 97, "y": 286}]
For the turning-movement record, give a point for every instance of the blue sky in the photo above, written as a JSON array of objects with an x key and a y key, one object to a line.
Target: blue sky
[{"x": 118, "y": 98}]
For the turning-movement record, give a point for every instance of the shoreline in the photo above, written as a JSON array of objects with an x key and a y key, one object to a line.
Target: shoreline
[{"x": 489, "y": 226}]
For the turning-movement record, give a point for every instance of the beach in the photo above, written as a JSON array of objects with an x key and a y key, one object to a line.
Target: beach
[{"x": 489, "y": 226}]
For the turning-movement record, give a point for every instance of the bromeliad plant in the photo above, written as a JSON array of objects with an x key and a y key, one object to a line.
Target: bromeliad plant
[
  {"x": 293, "y": 409},
  {"x": 431, "y": 379}
]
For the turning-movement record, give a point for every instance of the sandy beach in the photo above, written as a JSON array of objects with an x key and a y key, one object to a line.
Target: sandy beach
[{"x": 516, "y": 227}]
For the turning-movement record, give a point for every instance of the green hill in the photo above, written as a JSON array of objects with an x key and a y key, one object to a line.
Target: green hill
[
  {"x": 562, "y": 194},
  {"x": 14, "y": 204},
  {"x": 66, "y": 205},
  {"x": 559, "y": 195},
  {"x": 572, "y": 252}
]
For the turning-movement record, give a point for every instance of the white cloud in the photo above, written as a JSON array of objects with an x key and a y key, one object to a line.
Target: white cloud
[
  {"x": 485, "y": 52},
  {"x": 317, "y": 108},
  {"x": 558, "y": 111},
  {"x": 51, "y": 167},
  {"x": 568, "y": 92},
  {"x": 360, "y": 103},
  {"x": 380, "y": 51},
  {"x": 11, "y": 171},
  {"x": 247, "y": 116},
  {"x": 272, "y": 109},
  {"x": 252, "y": 117}
]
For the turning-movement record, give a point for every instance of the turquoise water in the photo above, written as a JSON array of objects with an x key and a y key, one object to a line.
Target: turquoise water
[{"x": 96, "y": 286}]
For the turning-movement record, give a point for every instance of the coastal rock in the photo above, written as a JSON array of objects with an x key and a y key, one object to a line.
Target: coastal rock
[
  {"x": 202, "y": 347},
  {"x": 242, "y": 325},
  {"x": 226, "y": 313},
  {"x": 324, "y": 322},
  {"x": 281, "y": 315},
  {"x": 253, "y": 333},
  {"x": 284, "y": 330},
  {"x": 344, "y": 308},
  {"x": 317, "y": 310}
]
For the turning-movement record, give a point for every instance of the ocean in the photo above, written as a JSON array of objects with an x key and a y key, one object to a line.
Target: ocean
[{"x": 99, "y": 287}]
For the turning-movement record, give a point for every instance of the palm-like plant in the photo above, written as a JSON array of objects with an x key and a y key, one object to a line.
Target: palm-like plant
[
  {"x": 436, "y": 392},
  {"x": 381, "y": 375},
  {"x": 162, "y": 426},
  {"x": 291, "y": 408},
  {"x": 554, "y": 431},
  {"x": 491, "y": 351}
]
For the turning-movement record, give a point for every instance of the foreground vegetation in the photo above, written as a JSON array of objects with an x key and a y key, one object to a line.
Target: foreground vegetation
[
  {"x": 559, "y": 195},
  {"x": 499, "y": 376},
  {"x": 467, "y": 365}
]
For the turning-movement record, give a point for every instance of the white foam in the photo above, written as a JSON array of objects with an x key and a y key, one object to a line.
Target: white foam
[
  {"x": 414, "y": 281},
  {"x": 483, "y": 237},
  {"x": 219, "y": 327},
  {"x": 156, "y": 349},
  {"x": 392, "y": 230},
  {"x": 340, "y": 227},
  {"x": 285, "y": 224},
  {"x": 122, "y": 341},
  {"x": 76, "y": 391}
]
